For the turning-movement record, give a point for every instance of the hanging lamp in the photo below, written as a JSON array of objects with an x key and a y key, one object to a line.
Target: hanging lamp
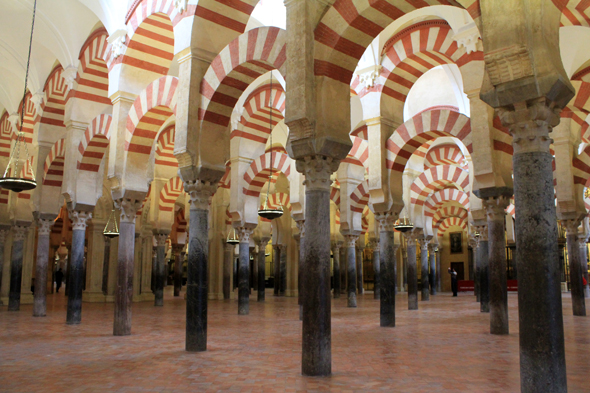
[
  {"x": 232, "y": 237},
  {"x": 15, "y": 183},
  {"x": 111, "y": 230},
  {"x": 268, "y": 212},
  {"x": 403, "y": 224}
]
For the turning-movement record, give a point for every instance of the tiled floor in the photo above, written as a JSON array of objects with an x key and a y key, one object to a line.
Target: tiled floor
[{"x": 443, "y": 347}]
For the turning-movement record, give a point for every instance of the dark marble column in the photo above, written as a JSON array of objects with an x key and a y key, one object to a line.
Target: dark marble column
[
  {"x": 336, "y": 269},
  {"x": 19, "y": 233},
  {"x": 262, "y": 267},
  {"x": 243, "y": 271},
  {"x": 484, "y": 271},
  {"x": 254, "y": 275},
  {"x": 228, "y": 257},
  {"x": 477, "y": 268},
  {"x": 317, "y": 328},
  {"x": 177, "y": 250},
  {"x": 343, "y": 269},
  {"x": 79, "y": 220},
  {"x": 438, "y": 271},
  {"x": 197, "y": 284},
  {"x": 425, "y": 294},
  {"x": 432, "y": 259},
  {"x": 154, "y": 265},
  {"x": 412, "y": 271},
  {"x": 359, "y": 271},
  {"x": 40, "y": 296},
  {"x": 582, "y": 239},
  {"x": 300, "y": 242},
  {"x": 283, "y": 270},
  {"x": 388, "y": 262},
  {"x": 3, "y": 233},
  {"x": 576, "y": 281},
  {"x": 277, "y": 269},
  {"x": 351, "y": 268},
  {"x": 376, "y": 270},
  {"x": 495, "y": 209},
  {"x": 160, "y": 278},
  {"x": 125, "y": 264}
]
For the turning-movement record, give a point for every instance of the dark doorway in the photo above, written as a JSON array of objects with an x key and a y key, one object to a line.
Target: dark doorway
[{"x": 460, "y": 269}]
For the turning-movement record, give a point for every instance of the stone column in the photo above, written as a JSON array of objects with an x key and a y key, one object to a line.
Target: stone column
[
  {"x": 262, "y": 267},
  {"x": 317, "y": 328},
  {"x": 359, "y": 271},
  {"x": 388, "y": 263},
  {"x": 125, "y": 264},
  {"x": 301, "y": 226},
  {"x": 228, "y": 256},
  {"x": 277, "y": 269},
  {"x": 438, "y": 271},
  {"x": 105, "y": 265},
  {"x": 177, "y": 251},
  {"x": 495, "y": 207},
  {"x": 351, "y": 268},
  {"x": 336, "y": 269},
  {"x": 283, "y": 270},
  {"x": 43, "y": 232},
  {"x": 79, "y": 222},
  {"x": 542, "y": 350},
  {"x": 425, "y": 295},
  {"x": 412, "y": 271},
  {"x": 160, "y": 276},
  {"x": 3, "y": 233},
  {"x": 433, "y": 271},
  {"x": 476, "y": 269},
  {"x": 573, "y": 253},
  {"x": 197, "y": 284},
  {"x": 376, "y": 271},
  {"x": 19, "y": 232},
  {"x": 243, "y": 274},
  {"x": 484, "y": 272},
  {"x": 584, "y": 258},
  {"x": 254, "y": 275},
  {"x": 154, "y": 266}
]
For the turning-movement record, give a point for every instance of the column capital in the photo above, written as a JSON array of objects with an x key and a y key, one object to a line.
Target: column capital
[
  {"x": 317, "y": 171},
  {"x": 128, "y": 207},
  {"x": 530, "y": 123},
  {"x": 177, "y": 248},
  {"x": 410, "y": 238},
  {"x": 336, "y": 246},
  {"x": 432, "y": 247},
  {"x": 200, "y": 193},
  {"x": 350, "y": 240},
  {"x": 496, "y": 206},
  {"x": 244, "y": 234},
  {"x": 386, "y": 221},
  {"x": 19, "y": 233},
  {"x": 423, "y": 243},
  {"x": 161, "y": 237},
  {"x": 44, "y": 226},
  {"x": 571, "y": 225},
  {"x": 79, "y": 219},
  {"x": 3, "y": 234},
  {"x": 263, "y": 242},
  {"x": 301, "y": 226},
  {"x": 483, "y": 233},
  {"x": 282, "y": 247}
]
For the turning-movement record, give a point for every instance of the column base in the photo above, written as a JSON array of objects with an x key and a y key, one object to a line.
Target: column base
[{"x": 93, "y": 297}]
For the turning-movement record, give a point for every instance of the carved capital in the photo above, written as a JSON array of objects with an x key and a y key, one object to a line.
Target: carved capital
[
  {"x": 37, "y": 99},
  {"x": 79, "y": 219},
  {"x": 317, "y": 171},
  {"x": 161, "y": 239},
  {"x": 496, "y": 207},
  {"x": 571, "y": 225},
  {"x": 483, "y": 233},
  {"x": 386, "y": 221},
  {"x": 529, "y": 124},
  {"x": 43, "y": 227},
  {"x": 423, "y": 243},
  {"x": 432, "y": 247},
  {"x": 301, "y": 226},
  {"x": 19, "y": 233},
  {"x": 410, "y": 238},
  {"x": 262, "y": 243},
  {"x": 3, "y": 234},
  {"x": 200, "y": 193},
  {"x": 117, "y": 40},
  {"x": 128, "y": 207},
  {"x": 180, "y": 5},
  {"x": 244, "y": 234},
  {"x": 350, "y": 240},
  {"x": 69, "y": 75}
]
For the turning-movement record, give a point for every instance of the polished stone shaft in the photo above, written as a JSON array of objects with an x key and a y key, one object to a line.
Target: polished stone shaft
[
  {"x": 228, "y": 255},
  {"x": 261, "y": 272},
  {"x": 160, "y": 273},
  {"x": 16, "y": 267},
  {"x": 336, "y": 269},
  {"x": 577, "y": 285},
  {"x": 477, "y": 275},
  {"x": 74, "y": 313},
  {"x": 105, "y": 265},
  {"x": 283, "y": 271},
  {"x": 412, "y": 276},
  {"x": 277, "y": 271},
  {"x": 40, "y": 301},
  {"x": 484, "y": 275},
  {"x": 498, "y": 280},
  {"x": 243, "y": 280},
  {"x": 343, "y": 270},
  {"x": 177, "y": 269},
  {"x": 425, "y": 293},
  {"x": 359, "y": 271},
  {"x": 377, "y": 272},
  {"x": 351, "y": 255},
  {"x": 388, "y": 278},
  {"x": 124, "y": 289},
  {"x": 433, "y": 277}
]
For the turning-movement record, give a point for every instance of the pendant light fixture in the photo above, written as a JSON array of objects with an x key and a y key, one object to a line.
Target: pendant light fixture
[
  {"x": 268, "y": 212},
  {"x": 232, "y": 237},
  {"x": 111, "y": 230},
  {"x": 11, "y": 181},
  {"x": 403, "y": 224}
]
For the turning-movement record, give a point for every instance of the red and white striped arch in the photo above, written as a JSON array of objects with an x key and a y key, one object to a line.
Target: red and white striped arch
[
  {"x": 246, "y": 58},
  {"x": 423, "y": 127},
  {"x": 512, "y": 210},
  {"x": 53, "y": 170},
  {"x": 149, "y": 111},
  {"x": 170, "y": 192},
  {"x": 180, "y": 222},
  {"x": 256, "y": 116},
  {"x": 360, "y": 150},
  {"x": 93, "y": 75},
  {"x": 225, "y": 181},
  {"x": 337, "y": 217},
  {"x": 26, "y": 171},
  {"x": 335, "y": 195},
  {"x": 446, "y": 154},
  {"x": 438, "y": 198},
  {"x": 30, "y": 117},
  {"x": 582, "y": 168},
  {"x": 165, "y": 148},
  {"x": 6, "y": 135},
  {"x": 257, "y": 174},
  {"x": 361, "y": 132},
  {"x": 365, "y": 221},
  {"x": 95, "y": 143},
  {"x": 359, "y": 198},
  {"x": 54, "y": 104},
  {"x": 349, "y": 26},
  {"x": 150, "y": 45},
  {"x": 450, "y": 222},
  {"x": 581, "y": 100},
  {"x": 438, "y": 178},
  {"x": 574, "y": 12},
  {"x": 449, "y": 211}
]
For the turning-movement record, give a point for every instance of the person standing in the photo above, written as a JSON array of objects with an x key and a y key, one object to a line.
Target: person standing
[
  {"x": 59, "y": 275},
  {"x": 453, "y": 274}
]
